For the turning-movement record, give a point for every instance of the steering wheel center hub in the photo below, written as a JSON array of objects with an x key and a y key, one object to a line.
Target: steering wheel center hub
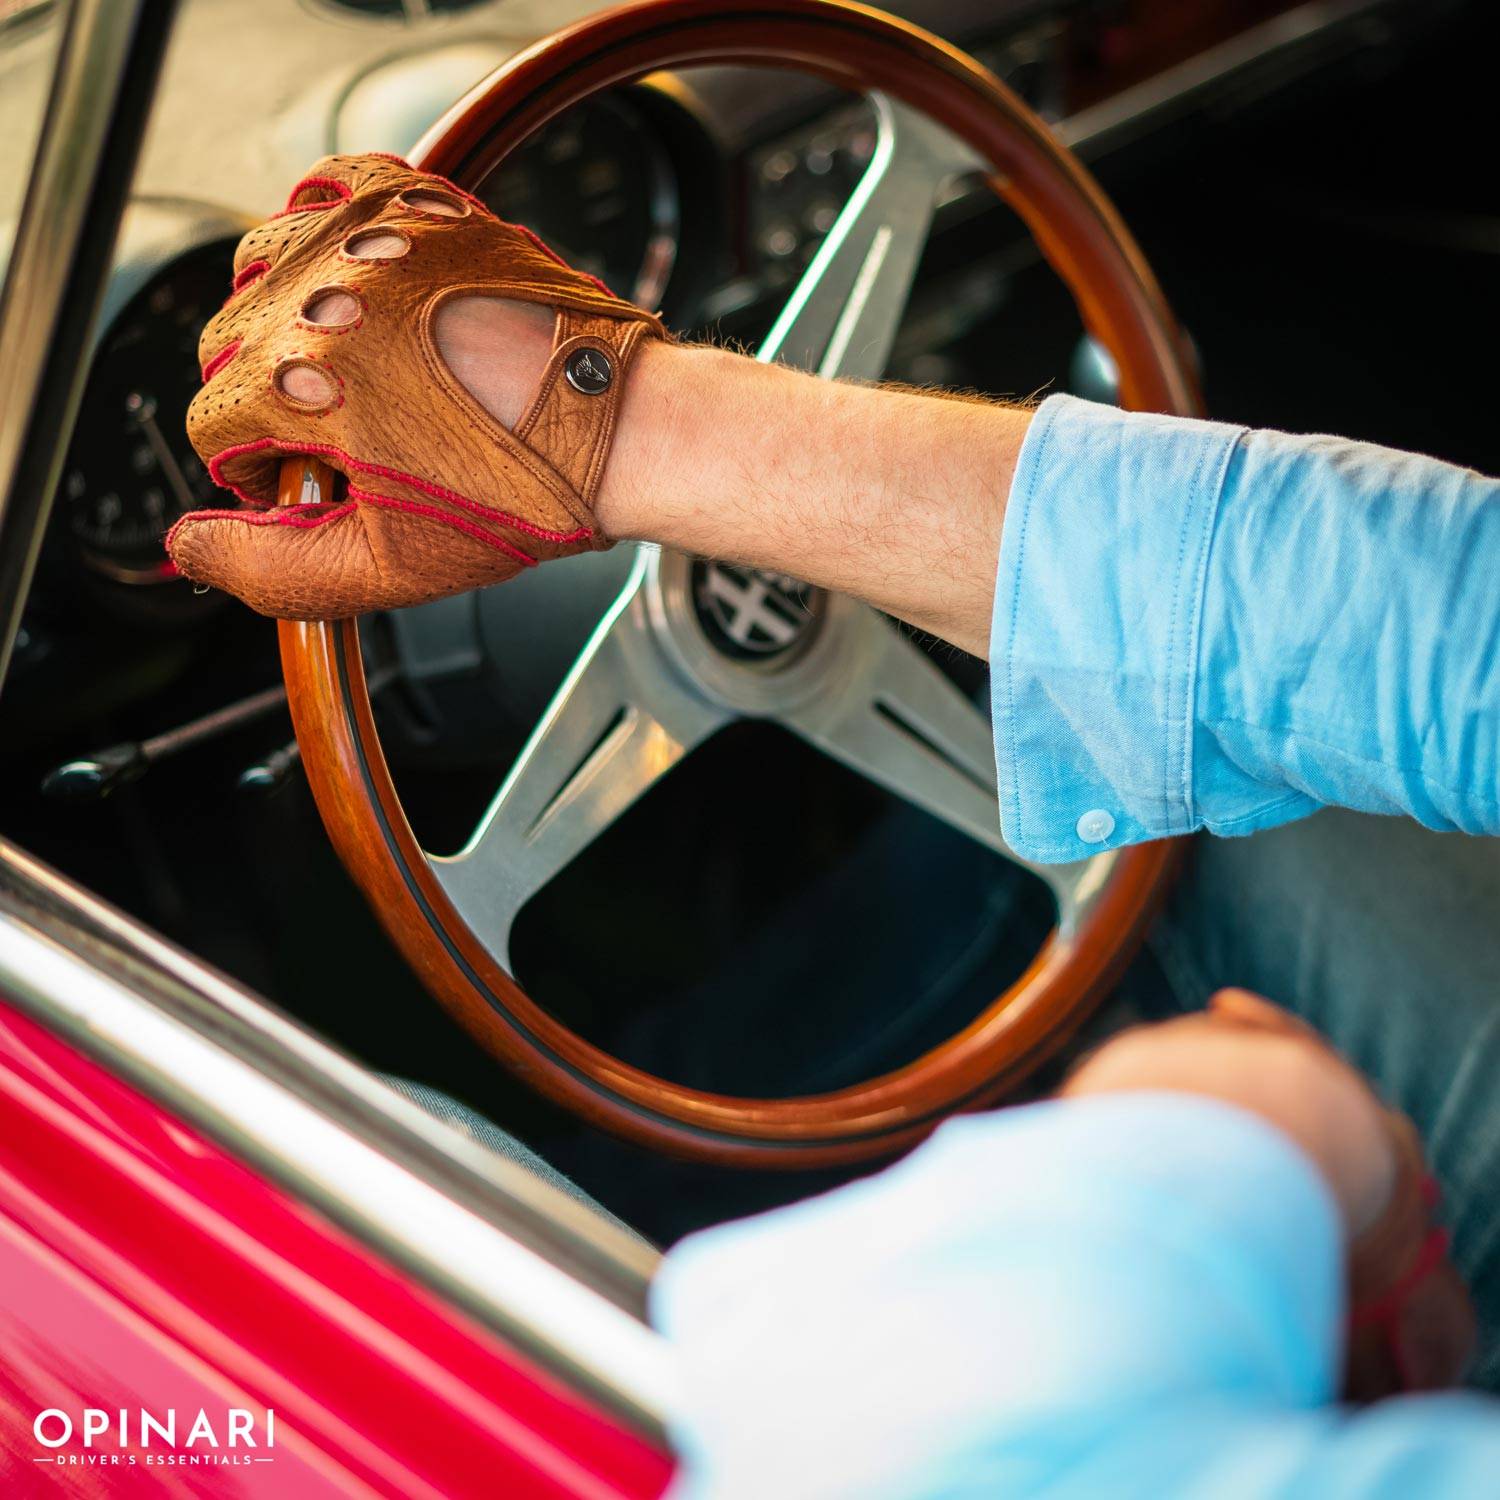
[
  {"x": 753, "y": 615},
  {"x": 751, "y": 641}
]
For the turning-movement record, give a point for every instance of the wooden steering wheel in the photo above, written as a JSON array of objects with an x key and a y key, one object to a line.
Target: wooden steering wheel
[{"x": 651, "y": 684}]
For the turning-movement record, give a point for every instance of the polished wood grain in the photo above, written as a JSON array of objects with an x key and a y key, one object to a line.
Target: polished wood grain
[{"x": 1121, "y": 304}]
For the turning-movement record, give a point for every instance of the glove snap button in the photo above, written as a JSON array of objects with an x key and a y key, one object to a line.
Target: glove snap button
[{"x": 589, "y": 371}]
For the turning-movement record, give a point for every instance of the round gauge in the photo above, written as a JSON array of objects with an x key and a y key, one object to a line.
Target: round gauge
[
  {"x": 599, "y": 189},
  {"x": 130, "y": 470}
]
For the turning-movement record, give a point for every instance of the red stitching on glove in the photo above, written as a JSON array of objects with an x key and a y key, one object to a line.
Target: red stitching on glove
[
  {"x": 478, "y": 508},
  {"x": 416, "y": 508},
  {"x": 328, "y": 450},
  {"x": 221, "y": 359},
  {"x": 1388, "y": 1305},
  {"x": 286, "y": 515}
]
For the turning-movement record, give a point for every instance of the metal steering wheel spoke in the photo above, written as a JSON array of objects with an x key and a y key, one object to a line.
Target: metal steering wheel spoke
[
  {"x": 899, "y": 721},
  {"x": 842, "y": 318},
  {"x": 616, "y": 726}
]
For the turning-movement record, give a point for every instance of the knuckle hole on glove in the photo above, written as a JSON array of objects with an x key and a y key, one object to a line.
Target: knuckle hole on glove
[
  {"x": 377, "y": 244},
  {"x": 317, "y": 192},
  {"x": 426, "y": 201},
  {"x": 307, "y": 386},
  {"x": 332, "y": 307},
  {"x": 248, "y": 274}
]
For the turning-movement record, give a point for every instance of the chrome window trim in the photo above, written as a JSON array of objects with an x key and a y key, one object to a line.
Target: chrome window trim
[{"x": 513, "y": 1251}]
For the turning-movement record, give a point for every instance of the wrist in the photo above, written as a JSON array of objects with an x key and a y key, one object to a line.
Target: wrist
[{"x": 650, "y": 460}]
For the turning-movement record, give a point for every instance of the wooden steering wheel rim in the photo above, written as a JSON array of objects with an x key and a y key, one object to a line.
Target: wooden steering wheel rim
[{"x": 1085, "y": 242}]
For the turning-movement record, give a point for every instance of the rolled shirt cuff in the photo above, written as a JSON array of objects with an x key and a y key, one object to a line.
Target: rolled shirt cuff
[{"x": 1094, "y": 643}]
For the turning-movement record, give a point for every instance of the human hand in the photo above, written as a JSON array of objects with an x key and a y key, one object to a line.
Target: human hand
[
  {"x": 1410, "y": 1325},
  {"x": 463, "y": 380}
]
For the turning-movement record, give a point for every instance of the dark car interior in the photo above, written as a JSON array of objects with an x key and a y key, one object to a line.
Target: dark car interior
[{"x": 1314, "y": 186}]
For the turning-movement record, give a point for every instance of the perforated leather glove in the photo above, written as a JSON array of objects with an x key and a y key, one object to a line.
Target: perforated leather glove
[{"x": 326, "y": 347}]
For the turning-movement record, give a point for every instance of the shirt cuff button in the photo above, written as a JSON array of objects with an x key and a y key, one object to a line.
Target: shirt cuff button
[{"x": 1095, "y": 826}]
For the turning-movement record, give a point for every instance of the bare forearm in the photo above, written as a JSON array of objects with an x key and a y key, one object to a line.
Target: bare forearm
[{"x": 892, "y": 496}]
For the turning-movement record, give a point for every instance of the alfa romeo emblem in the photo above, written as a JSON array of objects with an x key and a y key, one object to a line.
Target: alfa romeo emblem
[{"x": 751, "y": 614}]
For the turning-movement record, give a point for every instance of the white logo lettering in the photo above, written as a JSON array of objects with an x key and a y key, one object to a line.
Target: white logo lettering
[
  {"x": 42, "y": 1438},
  {"x": 55, "y": 1428},
  {"x": 167, "y": 1431},
  {"x": 202, "y": 1428}
]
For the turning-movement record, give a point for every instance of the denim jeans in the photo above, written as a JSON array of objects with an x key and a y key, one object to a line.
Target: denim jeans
[{"x": 1386, "y": 937}]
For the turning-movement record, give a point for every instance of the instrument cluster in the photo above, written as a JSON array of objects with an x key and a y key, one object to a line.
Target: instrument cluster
[
  {"x": 599, "y": 186},
  {"x": 130, "y": 470}
]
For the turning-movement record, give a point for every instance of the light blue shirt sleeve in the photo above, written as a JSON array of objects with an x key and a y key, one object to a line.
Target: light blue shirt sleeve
[
  {"x": 1130, "y": 1295},
  {"x": 1202, "y": 626}
]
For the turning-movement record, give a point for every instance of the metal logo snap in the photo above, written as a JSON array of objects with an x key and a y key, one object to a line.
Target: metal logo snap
[{"x": 589, "y": 371}]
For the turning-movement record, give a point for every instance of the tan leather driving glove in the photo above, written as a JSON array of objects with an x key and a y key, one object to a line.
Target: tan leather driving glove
[{"x": 440, "y": 496}]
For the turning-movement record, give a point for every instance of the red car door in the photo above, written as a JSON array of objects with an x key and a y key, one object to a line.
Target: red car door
[{"x": 174, "y": 1320}]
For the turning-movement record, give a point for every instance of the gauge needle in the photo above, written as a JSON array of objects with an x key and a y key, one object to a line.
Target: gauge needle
[{"x": 143, "y": 409}]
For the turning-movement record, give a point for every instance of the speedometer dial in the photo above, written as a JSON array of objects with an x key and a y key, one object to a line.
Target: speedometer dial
[
  {"x": 600, "y": 190},
  {"x": 131, "y": 471}
]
